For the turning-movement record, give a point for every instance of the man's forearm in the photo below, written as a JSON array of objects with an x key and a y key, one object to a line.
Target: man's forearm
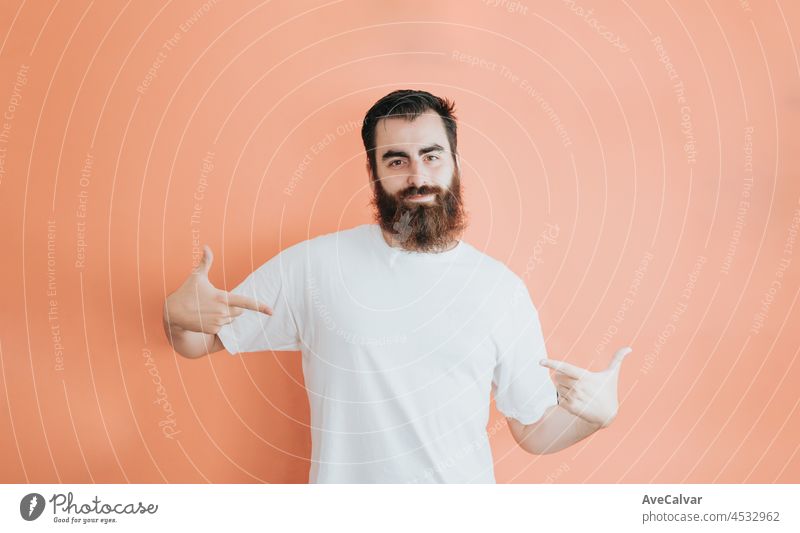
[{"x": 556, "y": 430}]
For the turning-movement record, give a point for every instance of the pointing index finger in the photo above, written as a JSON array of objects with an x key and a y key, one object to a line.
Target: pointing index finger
[
  {"x": 237, "y": 300},
  {"x": 564, "y": 368}
]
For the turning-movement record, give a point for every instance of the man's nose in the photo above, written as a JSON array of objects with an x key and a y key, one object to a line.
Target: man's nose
[{"x": 417, "y": 176}]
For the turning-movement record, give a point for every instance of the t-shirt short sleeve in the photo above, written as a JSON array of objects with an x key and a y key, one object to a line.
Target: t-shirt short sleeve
[
  {"x": 273, "y": 283},
  {"x": 522, "y": 387}
]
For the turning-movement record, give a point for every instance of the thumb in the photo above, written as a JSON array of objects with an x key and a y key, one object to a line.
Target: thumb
[
  {"x": 205, "y": 262},
  {"x": 618, "y": 357}
]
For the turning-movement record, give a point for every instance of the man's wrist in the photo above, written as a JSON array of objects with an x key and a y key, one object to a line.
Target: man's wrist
[{"x": 590, "y": 427}]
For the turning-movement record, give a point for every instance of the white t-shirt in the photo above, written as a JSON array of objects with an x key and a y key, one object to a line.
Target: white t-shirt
[{"x": 401, "y": 351}]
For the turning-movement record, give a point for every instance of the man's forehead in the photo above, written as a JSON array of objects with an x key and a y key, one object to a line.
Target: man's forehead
[{"x": 427, "y": 128}]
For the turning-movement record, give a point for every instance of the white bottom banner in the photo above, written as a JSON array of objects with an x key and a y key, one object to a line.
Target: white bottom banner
[{"x": 403, "y": 508}]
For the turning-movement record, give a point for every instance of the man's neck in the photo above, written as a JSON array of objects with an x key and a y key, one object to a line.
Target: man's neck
[{"x": 394, "y": 243}]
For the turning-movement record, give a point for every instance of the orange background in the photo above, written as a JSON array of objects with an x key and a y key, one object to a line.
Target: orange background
[{"x": 578, "y": 174}]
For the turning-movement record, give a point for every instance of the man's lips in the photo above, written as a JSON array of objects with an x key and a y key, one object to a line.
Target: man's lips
[{"x": 420, "y": 197}]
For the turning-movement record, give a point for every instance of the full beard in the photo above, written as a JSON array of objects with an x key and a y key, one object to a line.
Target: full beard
[{"x": 422, "y": 227}]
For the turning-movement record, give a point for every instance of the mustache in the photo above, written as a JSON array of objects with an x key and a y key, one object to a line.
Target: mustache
[{"x": 425, "y": 189}]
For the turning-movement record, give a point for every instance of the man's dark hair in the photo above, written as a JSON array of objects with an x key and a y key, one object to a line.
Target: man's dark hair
[{"x": 408, "y": 104}]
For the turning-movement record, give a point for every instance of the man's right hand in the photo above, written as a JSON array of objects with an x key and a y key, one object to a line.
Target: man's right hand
[{"x": 199, "y": 306}]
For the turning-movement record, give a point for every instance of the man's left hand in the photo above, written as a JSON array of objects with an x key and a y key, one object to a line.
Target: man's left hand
[{"x": 589, "y": 395}]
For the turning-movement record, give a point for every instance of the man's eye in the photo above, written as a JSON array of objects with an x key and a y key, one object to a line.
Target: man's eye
[
  {"x": 392, "y": 163},
  {"x": 433, "y": 156}
]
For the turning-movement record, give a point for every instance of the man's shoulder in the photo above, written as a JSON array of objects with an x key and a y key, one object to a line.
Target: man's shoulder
[
  {"x": 324, "y": 242},
  {"x": 509, "y": 290},
  {"x": 327, "y": 242},
  {"x": 492, "y": 266}
]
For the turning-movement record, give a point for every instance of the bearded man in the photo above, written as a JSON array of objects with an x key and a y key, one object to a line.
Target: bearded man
[{"x": 405, "y": 330}]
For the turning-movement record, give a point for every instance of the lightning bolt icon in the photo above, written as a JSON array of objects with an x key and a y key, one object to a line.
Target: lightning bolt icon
[{"x": 32, "y": 506}]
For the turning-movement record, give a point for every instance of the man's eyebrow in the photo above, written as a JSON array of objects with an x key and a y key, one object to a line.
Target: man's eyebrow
[{"x": 435, "y": 147}]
